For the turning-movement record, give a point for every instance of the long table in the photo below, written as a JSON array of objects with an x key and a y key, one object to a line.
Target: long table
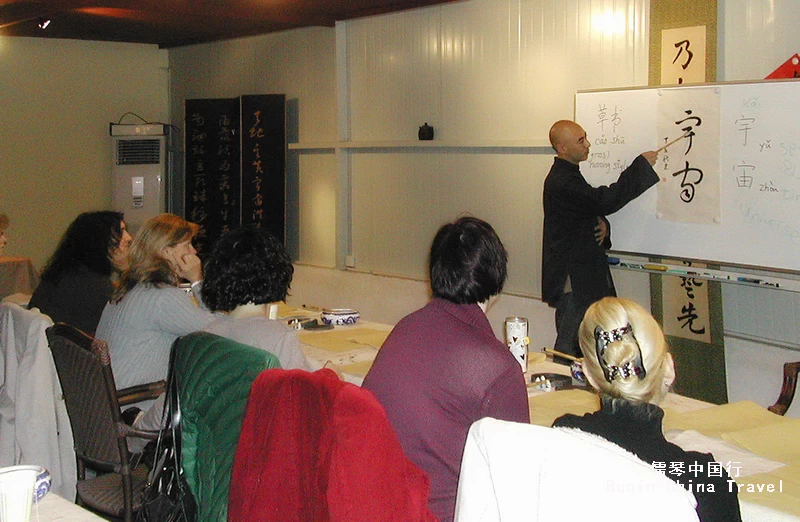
[
  {"x": 53, "y": 508},
  {"x": 759, "y": 448},
  {"x": 348, "y": 349}
]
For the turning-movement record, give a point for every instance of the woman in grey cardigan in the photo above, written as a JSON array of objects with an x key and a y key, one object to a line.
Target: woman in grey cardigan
[{"x": 148, "y": 311}]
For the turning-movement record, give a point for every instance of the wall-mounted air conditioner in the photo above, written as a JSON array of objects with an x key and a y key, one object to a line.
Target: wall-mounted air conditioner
[{"x": 139, "y": 171}]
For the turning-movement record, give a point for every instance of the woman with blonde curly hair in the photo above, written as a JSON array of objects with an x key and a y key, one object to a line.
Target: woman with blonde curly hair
[
  {"x": 148, "y": 311},
  {"x": 626, "y": 358}
]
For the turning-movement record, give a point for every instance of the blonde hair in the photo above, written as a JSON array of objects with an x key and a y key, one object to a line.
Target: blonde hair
[
  {"x": 612, "y": 313},
  {"x": 146, "y": 262}
]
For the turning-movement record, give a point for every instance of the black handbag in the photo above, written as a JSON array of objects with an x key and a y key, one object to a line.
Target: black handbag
[{"x": 167, "y": 497}]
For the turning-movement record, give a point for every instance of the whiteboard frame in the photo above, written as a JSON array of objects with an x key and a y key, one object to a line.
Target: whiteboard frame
[{"x": 645, "y": 205}]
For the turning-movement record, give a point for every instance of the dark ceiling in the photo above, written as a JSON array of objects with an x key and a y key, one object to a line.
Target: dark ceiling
[{"x": 172, "y": 23}]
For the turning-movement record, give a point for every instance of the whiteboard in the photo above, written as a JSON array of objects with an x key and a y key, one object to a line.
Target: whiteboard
[{"x": 746, "y": 208}]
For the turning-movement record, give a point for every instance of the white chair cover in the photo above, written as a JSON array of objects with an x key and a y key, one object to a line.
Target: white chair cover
[
  {"x": 34, "y": 426},
  {"x": 512, "y": 471}
]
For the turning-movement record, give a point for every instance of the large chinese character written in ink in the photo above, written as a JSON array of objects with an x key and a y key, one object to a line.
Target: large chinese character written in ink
[
  {"x": 689, "y": 167},
  {"x": 683, "y": 55},
  {"x": 685, "y": 302}
]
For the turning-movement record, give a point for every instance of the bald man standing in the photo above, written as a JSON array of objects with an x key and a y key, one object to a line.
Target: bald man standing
[{"x": 577, "y": 234}]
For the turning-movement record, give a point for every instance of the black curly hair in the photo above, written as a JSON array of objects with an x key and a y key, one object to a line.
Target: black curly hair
[
  {"x": 87, "y": 242},
  {"x": 247, "y": 265}
]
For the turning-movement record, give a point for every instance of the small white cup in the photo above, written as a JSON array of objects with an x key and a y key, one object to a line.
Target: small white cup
[{"x": 16, "y": 493}]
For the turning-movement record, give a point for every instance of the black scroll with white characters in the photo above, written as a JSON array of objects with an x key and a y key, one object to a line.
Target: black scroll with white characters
[
  {"x": 235, "y": 159},
  {"x": 264, "y": 162},
  {"x": 212, "y": 168}
]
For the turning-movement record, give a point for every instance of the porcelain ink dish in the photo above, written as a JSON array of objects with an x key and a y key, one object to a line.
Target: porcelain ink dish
[{"x": 339, "y": 316}]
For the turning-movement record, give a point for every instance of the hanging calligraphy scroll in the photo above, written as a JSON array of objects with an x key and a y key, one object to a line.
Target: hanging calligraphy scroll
[
  {"x": 235, "y": 165},
  {"x": 264, "y": 162},
  {"x": 689, "y": 168},
  {"x": 683, "y": 55},
  {"x": 212, "y": 168}
]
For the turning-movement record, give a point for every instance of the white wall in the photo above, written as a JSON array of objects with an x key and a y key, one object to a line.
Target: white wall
[
  {"x": 761, "y": 325},
  {"x": 756, "y": 37},
  {"x": 481, "y": 72},
  {"x": 463, "y": 68},
  {"x": 57, "y": 98}
]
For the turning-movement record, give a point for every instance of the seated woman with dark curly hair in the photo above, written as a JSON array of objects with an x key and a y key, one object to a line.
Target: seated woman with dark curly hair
[{"x": 246, "y": 271}]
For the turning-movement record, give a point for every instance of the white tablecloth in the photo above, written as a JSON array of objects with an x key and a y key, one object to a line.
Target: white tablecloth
[
  {"x": 777, "y": 507},
  {"x": 54, "y": 508}
]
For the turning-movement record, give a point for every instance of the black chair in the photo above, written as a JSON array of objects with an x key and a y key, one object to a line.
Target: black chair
[{"x": 93, "y": 405}]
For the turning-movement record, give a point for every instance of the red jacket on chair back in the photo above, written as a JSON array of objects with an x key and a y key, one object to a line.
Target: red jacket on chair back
[{"x": 315, "y": 448}]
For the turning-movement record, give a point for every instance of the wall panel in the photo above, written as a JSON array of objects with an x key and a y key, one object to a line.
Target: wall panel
[
  {"x": 316, "y": 209},
  {"x": 478, "y": 71},
  {"x": 758, "y": 36},
  {"x": 57, "y": 98},
  {"x": 500, "y": 69}
]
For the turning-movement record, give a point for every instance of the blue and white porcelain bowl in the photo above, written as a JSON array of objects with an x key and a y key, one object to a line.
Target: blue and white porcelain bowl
[
  {"x": 339, "y": 316},
  {"x": 576, "y": 370},
  {"x": 42, "y": 483}
]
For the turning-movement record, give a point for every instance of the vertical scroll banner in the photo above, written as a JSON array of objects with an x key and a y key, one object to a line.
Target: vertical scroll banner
[
  {"x": 264, "y": 162},
  {"x": 683, "y": 55},
  {"x": 212, "y": 168},
  {"x": 685, "y": 306},
  {"x": 235, "y": 165}
]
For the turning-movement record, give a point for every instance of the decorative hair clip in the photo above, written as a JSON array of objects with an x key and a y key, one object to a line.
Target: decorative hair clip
[{"x": 611, "y": 372}]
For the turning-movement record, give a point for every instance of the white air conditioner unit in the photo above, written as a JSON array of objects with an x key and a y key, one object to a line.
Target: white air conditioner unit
[{"x": 139, "y": 171}]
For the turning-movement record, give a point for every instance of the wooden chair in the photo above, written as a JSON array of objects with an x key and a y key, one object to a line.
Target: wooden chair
[
  {"x": 84, "y": 369},
  {"x": 790, "y": 371}
]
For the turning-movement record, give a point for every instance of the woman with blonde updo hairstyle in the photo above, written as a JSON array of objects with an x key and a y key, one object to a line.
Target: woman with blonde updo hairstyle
[
  {"x": 626, "y": 359},
  {"x": 645, "y": 341},
  {"x": 148, "y": 310}
]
